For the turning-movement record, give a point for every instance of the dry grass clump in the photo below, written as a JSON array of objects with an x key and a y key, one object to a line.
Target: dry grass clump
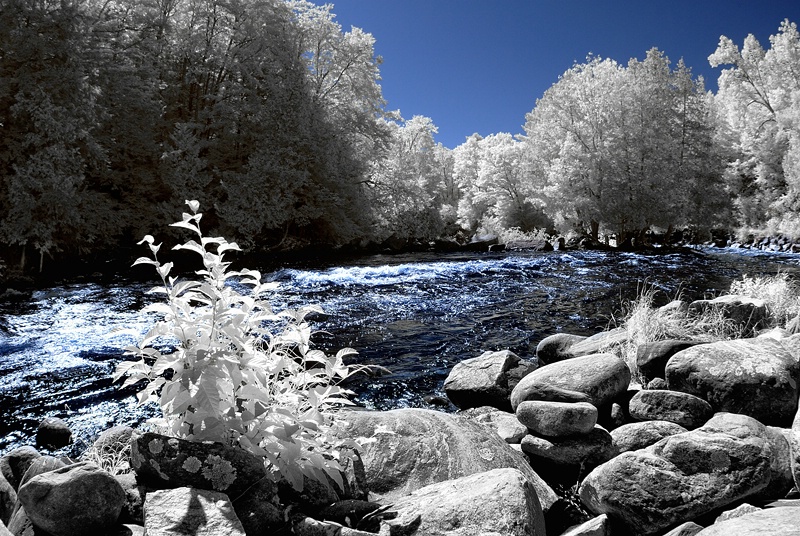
[
  {"x": 112, "y": 456},
  {"x": 780, "y": 294}
]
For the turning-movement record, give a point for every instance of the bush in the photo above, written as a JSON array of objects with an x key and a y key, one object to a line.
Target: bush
[{"x": 239, "y": 373}]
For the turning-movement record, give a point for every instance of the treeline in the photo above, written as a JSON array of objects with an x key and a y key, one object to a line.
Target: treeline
[{"x": 271, "y": 115}]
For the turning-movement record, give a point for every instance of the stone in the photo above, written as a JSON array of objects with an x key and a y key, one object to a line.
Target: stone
[
  {"x": 181, "y": 511},
  {"x": 14, "y": 464},
  {"x": 782, "y": 479},
  {"x": 557, "y": 419},
  {"x": 127, "y": 530},
  {"x": 794, "y": 446},
  {"x": 3, "y": 530},
  {"x": 755, "y": 377},
  {"x": 656, "y": 383},
  {"x": 505, "y": 424},
  {"x": 499, "y": 502},
  {"x": 481, "y": 381},
  {"x": 749, "y": 314},
  {"x": 551, "y": 393},
  {"x": 53, "y": 433},
  {"x": 113, "y": 440},
  {"x": 683, "y": 409},
  {"x": 602, "y": 377},
  {"x": 739, "y": 511},
  {"x": 8, "y": 498},
  {"x": 639, "y": 435},
  {"x": 413, "y": 448},
  {"x": 682, "y": 476},
  {"x": 652, "y": 357},
  {"x": 600, "y": 342},
  {"x": 133, "y": 508},
  {"x": 587, "y": 450},
  {"x": 689, "y": 528},
  {"x": 597, "y": 526},
  {"x": 556, "y": 347},
  {"x": 74, "y": 500},
  {"x": 770, "y": 521},
  {"x": 20, "y": 524}
]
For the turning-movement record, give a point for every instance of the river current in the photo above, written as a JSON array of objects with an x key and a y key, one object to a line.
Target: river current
[{"x": 416, "y": 315}]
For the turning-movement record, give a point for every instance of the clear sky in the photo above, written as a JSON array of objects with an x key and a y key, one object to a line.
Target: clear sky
[{"x": 480, "y": 65}]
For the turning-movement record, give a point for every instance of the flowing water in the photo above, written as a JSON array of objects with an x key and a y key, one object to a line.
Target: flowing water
[{"x": 417, "y": 315}]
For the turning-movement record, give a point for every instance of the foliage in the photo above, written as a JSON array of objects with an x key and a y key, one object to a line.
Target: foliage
[
  {"x": 240, "y": 373},
  {"x": 780, "y": 294}
]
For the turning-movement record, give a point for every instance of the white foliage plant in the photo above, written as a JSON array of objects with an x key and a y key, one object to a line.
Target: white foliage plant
[{"x": 240, "y": 373}]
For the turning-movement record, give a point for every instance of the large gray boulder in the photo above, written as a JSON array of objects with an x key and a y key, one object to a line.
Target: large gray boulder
[
  {"x": 683, "y": 409},
  {"x": 556, "y": 347},
  {"x": 639, "y": 435},
  {"x": 8, "y": 498},
  {"x": 408, "y": 449},
  {"x": 483, "y": 380},
  {"x": 602, "y": 377},
  {"x": 53, "y": 433},
  {"x": 682, "y": 476},
  {"x": 783, "y": 521},
  {"x": 755, "y": 377},
  {"x": 497, "y": 502},
  {"x": 181, "y": 511},
  {"x": 75, "y": 500},
  {"x": 584, "y": 450},
  {"x": 557, "y": 419},
  {"x": 13, "y": 464},
  {"x": 652, "y": 357}
]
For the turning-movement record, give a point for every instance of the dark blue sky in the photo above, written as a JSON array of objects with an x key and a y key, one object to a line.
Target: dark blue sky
[{"x": 480, "y": 65}]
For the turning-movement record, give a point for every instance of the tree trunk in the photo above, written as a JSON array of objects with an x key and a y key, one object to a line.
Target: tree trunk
[{"x": 595, "y": 229}]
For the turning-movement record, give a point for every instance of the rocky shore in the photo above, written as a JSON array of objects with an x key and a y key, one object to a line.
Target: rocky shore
[{"x": 699, "y": 438}]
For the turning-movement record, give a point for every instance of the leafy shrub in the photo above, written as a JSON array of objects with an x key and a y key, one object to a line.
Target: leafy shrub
[{"x": 240, "y": 373}]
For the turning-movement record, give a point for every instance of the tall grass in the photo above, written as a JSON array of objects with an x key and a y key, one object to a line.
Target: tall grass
[{"x": 780, "y": 294}]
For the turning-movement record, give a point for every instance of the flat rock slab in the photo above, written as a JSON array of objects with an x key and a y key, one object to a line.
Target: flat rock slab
[
  {"x": 686, "y": 410},
  {"x": 755, "y": 377},
  {"x": 601, "y": 377},
  {"x": 587, "y": 450},
  {"x": 682, "y": 476},
  {"x": 182, "y": 511},
  {"x": 496, "y": 502},
  {"x": 772, "y": 522},
  {"x": 413, "y": 448}
]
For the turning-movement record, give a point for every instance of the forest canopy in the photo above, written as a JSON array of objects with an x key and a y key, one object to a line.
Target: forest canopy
[{"x": 271, "y": 115}]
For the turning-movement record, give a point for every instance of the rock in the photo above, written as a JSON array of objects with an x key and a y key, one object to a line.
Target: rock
[
  {"x": 781, "y": 480},
  {"x": 505, "y": 424},
  {"x": 556, "y": 347},
  {"x": 755, "y": 377},
  {"x": 597, "y": 526},
  {"x": 316, "y": 494},
  {"x": 481, "y": 381},
  {"x": 308, "y": 526},
  {"x": 794, "y": 445},
  {"x": 365, "y": 515},
  {"x": 685, "y": 529},
  {"x": 692, "y": 473},
  {"x": 602, "y": 377},
  {"x": 586, "y": 450},
  {"x": 260, "y": 510},
  {"x": 771, "y": 521},
  {"x": 3, "y": 530},
  {"x": 683, "y": 409},
  {"x": 128, "y": 530},
  {"x": 14, "y": 464},
  {"x": 652, "y": 357},
  {"x": 41, "y": 465},
  {"x": 639, "y": 435},
  {"x": 656, "y": 383},
  {"x": 557, "y": 419},
  {"x": 199, "y": 512},
  {"x": 496, "y": 502},
  {"x": 674, "y": 307},
  {"x": 161, "y": 461},
  {"x": 600, "y": 342},
  {"x": 133, "y": 508},
  {"x": 532, "y": 245},
  {"x": 416, "y": 447},
  {"x": 550, "y": 393},
  {"x": 20, "y": 524},
  {"x": 114, "y": 440},
  {"x": 8, "y": 498},
  {"x": 75, "y": 500},
  {"x": 739, "y": 511},
  {"x": 748, "y": 314},
  {"x": 53, "y": 433}
]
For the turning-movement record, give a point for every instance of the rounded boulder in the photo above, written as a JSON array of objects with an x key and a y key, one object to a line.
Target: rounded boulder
[{"x": 557, "y": 419}]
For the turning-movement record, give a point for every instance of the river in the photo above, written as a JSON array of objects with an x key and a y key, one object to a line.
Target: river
[{"x": 416, "y": 314}]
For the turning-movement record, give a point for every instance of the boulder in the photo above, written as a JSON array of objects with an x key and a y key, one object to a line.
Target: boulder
[
  {"x": 782, "y": 478},
  {"x": 75, "y": 500},
  {"x": 556, "y": 347},
  {"x": 652, "y": 357},
  {"x": 682, "y": 476},
  {"x": 739, "y": 511},
  {"x": 557, "y": 419},
  {"x": 41, "y": 465},
  {"x": 481, "y": 381},
  {"x": 53, "y": 433},
  {"x": 639, "y": 435},
  {"x": 13, "y": 464},
  {"x": 199, "y": 512},
  {"x": 748, "y": 314},
  {"x": 683, "y": 409},
  {"x": 133, "y": 509},
  {"x": 413, "y": 448},
  {"x": 600, "y": 342},
  {"x": 496, "y": 502},
  {"x": 114, "y": 440},
  {"x": 597, "y": 526},
  {"x": 3, "y": 530},
  {"x": 8, "y": 498},
  {"x": 689, "y": 528},
  {"x": 602, "y": 377},
  {"x": 586, "y": 450},
  {"x": 771, "y": 521},
  {"x": 755, "y": 377},
  {"x": 656, "y": 383},
  {"x": 794, "y": 445},
  {"x": 505, "y": 424},
  {"x": 168, "y": 462}
]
